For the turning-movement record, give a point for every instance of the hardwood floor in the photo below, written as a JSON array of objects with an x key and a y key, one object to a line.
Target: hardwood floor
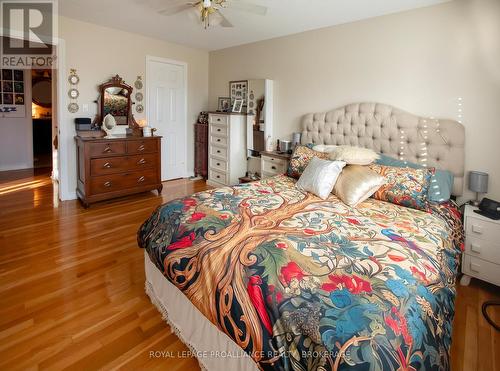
[
  {"x": 72, "y": 281},
  {"x": 72, "y": 286}
]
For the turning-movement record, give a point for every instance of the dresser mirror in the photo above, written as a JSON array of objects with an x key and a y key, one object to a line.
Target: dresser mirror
[{"x": 115, "y": 100}]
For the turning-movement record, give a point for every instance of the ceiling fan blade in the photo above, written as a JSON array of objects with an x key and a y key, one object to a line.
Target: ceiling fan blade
[
  {"x": 223, "y": 20},
  {"x": 244, "y": 6},
  {"x": 174, "y": 9}
]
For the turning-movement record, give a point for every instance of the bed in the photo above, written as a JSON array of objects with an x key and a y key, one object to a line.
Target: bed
[{"x": 265, "y": 276}]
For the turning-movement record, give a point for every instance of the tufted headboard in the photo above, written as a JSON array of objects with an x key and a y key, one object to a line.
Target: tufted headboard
[{"x": 395, "y": 133}]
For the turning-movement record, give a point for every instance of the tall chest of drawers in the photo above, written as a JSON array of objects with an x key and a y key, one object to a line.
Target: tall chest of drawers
[
  {"x": 481, "y": 258},
  {"x": 227, "y": 154},
  {"x": 109, "y": 168}
]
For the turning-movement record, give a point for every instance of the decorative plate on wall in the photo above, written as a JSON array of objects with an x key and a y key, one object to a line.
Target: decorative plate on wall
[
  {"x": 73, "y": 77},
  {"x": 73, "y": 93},
  {"x": 139, "y": 108},
  {"x": 138, "y": 83},
  {"x": 139, "y": 97},
  {"x": 73, "y": 107}
]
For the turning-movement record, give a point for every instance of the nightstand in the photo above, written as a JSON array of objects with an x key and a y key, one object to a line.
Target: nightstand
[
  {"x": 481, "y": 258},
  {"x": 273, "y": 163}
]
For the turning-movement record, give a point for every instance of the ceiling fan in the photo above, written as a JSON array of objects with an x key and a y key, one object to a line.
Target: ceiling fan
[{"x": 209, "y": 11}]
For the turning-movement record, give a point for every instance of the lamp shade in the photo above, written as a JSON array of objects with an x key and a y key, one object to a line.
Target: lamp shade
[
  {"x": 478, "y": 181},
  {"x": 296, "y": 139}
]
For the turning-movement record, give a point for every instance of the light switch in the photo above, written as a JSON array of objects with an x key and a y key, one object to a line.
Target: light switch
[{"x": 85, "y": 108}]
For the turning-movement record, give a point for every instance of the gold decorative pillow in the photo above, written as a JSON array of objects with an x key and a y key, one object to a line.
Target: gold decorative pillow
[
  {"x": 300, "y": 159},
  {"x": 356, "y": 183}
]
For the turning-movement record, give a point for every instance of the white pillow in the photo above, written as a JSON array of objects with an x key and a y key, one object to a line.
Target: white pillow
[
  {"x": 325, "y": 148},
  {"x": 319, "y": 176},
  {"x": 354, "y": 155}
]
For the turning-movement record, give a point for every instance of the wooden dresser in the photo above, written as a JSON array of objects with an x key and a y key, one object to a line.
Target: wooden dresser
[
  {"x": 109, "y": 168},
  {"x": 201, "y": 149}
]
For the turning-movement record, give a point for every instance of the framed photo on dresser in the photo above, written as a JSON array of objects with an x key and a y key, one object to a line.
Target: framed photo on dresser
[
  {"x": 224, "y": 104},
  {"x": 238, "y": 90}
]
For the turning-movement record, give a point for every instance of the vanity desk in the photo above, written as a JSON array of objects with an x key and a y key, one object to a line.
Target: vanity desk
[
  {"x": 109, "y": 168},
  {"x": 114, "y": 164}
]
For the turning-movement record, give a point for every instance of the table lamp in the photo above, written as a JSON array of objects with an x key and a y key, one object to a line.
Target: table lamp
[{"x": 478, "y": 182}]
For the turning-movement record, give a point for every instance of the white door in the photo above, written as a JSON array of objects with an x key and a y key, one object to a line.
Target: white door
[{"x": 166, "y": 102}]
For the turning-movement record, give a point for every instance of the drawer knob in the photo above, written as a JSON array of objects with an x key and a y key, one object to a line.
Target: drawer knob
[
  {"x": 218, "y": 163},
  {"x": 218, "y": 140},
  {"x": 107, "y": 184},
  {"x": 141, "y": 161},
  {"x": 141, "y": 147},
  {"x": 107, "y": 165},
  {"x": 218, "y": 176},
  {"x": 218, "y": 129},
  {"x": 218, "y": 151},
  {"x": 107, "y": 149},
  {"x": 218, "y": 119},
  {"x": 477, "y": 229},
  {"x": 273, "y": 167},
  {"x": 141, "y": 179}
]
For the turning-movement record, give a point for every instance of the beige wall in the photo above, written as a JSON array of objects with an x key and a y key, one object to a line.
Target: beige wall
[
  {"x": 421, "y": 61},
  {"x": 97, "y": 53}
]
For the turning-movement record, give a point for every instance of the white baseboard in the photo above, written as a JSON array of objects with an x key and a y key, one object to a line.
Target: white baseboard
[
  {"x": 68, "y": 197},
  {"x": 15, "y": 167}
]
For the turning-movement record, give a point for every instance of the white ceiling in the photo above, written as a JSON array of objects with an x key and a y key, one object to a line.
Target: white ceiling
[{"x": 284, "y": 17}]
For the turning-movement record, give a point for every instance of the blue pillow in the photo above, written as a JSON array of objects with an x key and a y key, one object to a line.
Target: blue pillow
[{"x": 441, "y": 182}]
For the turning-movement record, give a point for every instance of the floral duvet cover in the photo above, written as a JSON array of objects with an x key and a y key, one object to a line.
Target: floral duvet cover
[{"x": 305, "y": 284}]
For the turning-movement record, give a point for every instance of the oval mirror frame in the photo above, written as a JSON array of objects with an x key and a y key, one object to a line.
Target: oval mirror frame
[{"x": 41, "y": 92}]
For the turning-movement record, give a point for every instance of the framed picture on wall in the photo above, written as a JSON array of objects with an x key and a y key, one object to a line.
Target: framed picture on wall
[
  {"x": 18, "y": 75},
  {"x": 12, "y": 102},
  {"x": 238, "y": 90}
]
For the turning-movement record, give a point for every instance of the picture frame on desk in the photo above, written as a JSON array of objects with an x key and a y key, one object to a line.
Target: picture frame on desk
[
  {"x": 237, "y": 105},
  {"x": 224, "y": 104}
]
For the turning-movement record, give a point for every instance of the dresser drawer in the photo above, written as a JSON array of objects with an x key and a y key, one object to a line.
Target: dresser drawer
[
  {"x": 106, "y": 149},
  {"x": 142, "y": 146},
  {"x": 273, "y": 167},
  {"x": 218, "y": 119},
  {"x": 485, "y": 250},
  {"x": 217, "y": 164},
  {"x": 219, "y": 130},
  {"x": 108, "y": 165},
  {"x": 218, "y": 141},
  {"x": 481, "y": 269},
  {"x": 217, "y": 176},
  {"x": 145, "y": 161},
  {"x": 141, "y": 178},
  {"x": 274, "y": 160},
  {"x": 484, "y": 230},
  {"x": 219, "y": 152},
  {"x": 116, "y": 182}
]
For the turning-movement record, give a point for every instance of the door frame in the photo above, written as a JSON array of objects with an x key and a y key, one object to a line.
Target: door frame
[{"x": 150, "y": 58}]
